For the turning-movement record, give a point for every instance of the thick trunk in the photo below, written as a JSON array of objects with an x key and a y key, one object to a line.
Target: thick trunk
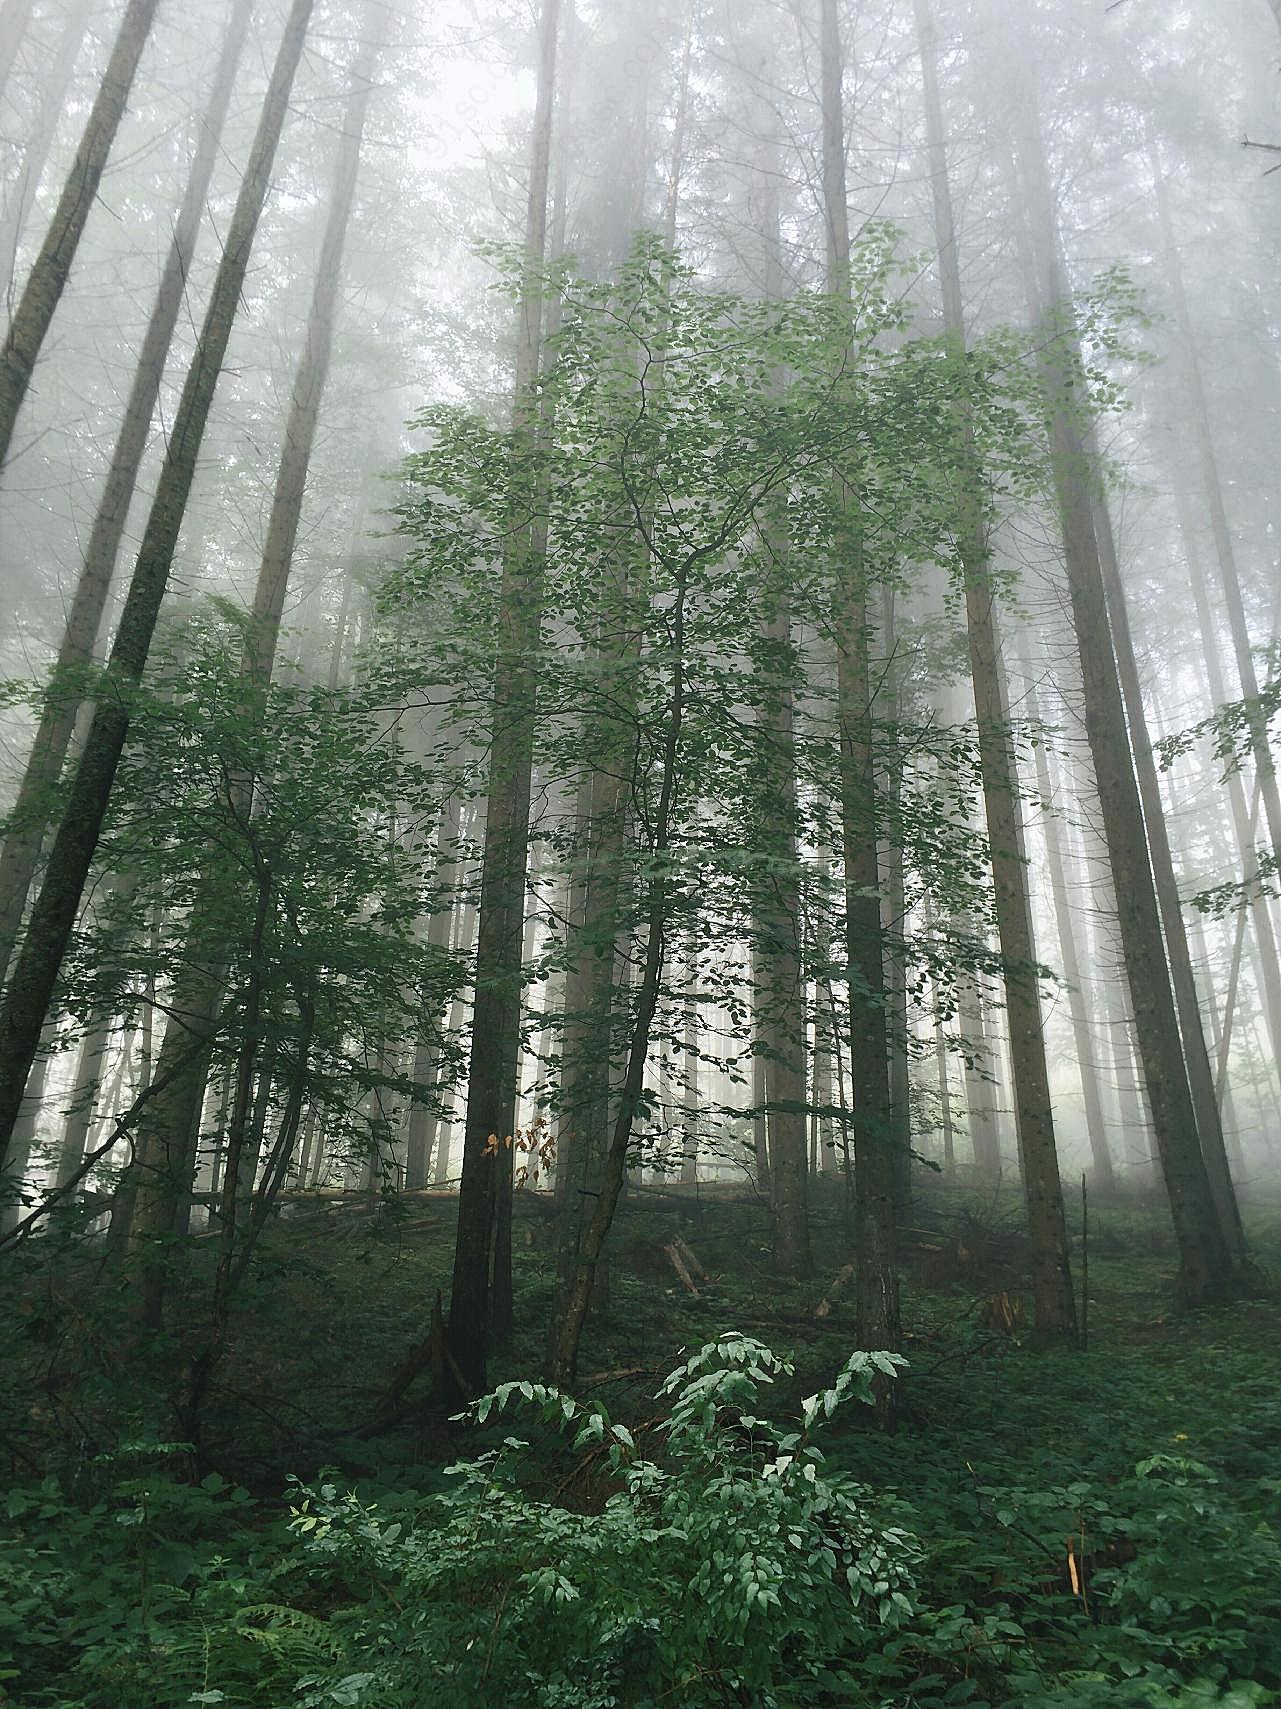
[
  {"x": 52, "y": 265},
  {"x": 878, "y": 1319},
  {"x": 1206, "y": 1267},
  {"x": 1055, "y": 1302},
  {"x": 35, "y": 974},
  {"x": 492, "y": 1077}
]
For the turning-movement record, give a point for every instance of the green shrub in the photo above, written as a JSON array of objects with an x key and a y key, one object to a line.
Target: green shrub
[{"x": 728, "y": 1566}]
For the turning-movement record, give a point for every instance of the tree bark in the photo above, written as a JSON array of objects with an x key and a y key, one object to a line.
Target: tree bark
[
  {"x": 1073, "y": 970},
  {"x": 1055, "y": 1301},
  {"x": 35, "y": 974},
  {"x": 1187, "y": 1000},
  {"x": 878, "y": 1323},
  {"x": 15, "y": 17},
  {"x": 165, "y": 1156},
  {"x": 1206, "y": 1270},
  {"x": 54, "y": 88},
  {"x": 30, "y": 818},
  {"x": 492, "y": 1078},
  {"x": 52, "y": 266}
]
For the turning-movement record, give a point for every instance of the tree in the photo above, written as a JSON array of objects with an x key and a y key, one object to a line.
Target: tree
[
  {"x": 35, "y": 973},
  {"x": 480, "y": 1293},
  {"x": 164, "y": 1157},
  {"x": 1052, "y": 1278},
  {"x": 874, "y": 1164},
  {"x": 52, "y": 265},
  {"x": 29, "y": 820}
]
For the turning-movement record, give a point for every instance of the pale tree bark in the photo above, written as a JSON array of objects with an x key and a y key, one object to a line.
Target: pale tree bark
[
  {"x": 55, "y": 84},
  {"x": 1187, "y": 1000},
  {"x": 985, "y": 1139},
  {"x": 595, "y": 951},
  {"x": 84, "y": 1100},
  {"x": 21, "y": 851},
  {"x": 35, "y": 974},
  {"x": 1055, "y": 1302},
  {"x": 1206, "y": 1267},
  {"x": 1212, "y": 485},
  {"x": 493, "y": 1068},
  {"x": 779, "y": 1009},
  {"x": 52, "y": 266},
  {"x": 691, "y": 1071},
  {"x": 878, "y": 1316},
  {"x": 164, "y": 1147},
  {"x": 1073, "y": 967},
  {"x": 15, "y": 17},
  {"x": 1244, "y": 820}
]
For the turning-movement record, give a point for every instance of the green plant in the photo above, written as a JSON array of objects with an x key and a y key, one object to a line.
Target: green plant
[{"x": 727, "y": 1565}]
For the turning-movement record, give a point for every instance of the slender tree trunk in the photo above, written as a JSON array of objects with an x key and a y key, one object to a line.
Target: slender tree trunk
[
  {"x": 1206, "y": 1270},
  {"x": 690, "y": 1103},
  {"x": 21, "y": 851},
  {"x": 24, "y": 1138},
  {"x": 1073, "y": 970},
  {"x": 165, "y": 1162},
  {"x": 35, "y": 974},
  {"x": 492, "y": 1080},
  {"x": 84, "y": 1099},
  {"x": 55, "y": 86},
  {"x": 1055, "y": 1301},
  {"x": 1244, "y": 822},
  {"x": 878, "y": 1319},
  {"x": 15, "y": 17},
  {"x": 1225, "y": 553},
  {"x": 1183, "y": 979},
  {"x": 52, "y": 266}
]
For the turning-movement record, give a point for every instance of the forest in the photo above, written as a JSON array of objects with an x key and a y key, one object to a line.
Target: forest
[{"x": 640, "y": 1041}]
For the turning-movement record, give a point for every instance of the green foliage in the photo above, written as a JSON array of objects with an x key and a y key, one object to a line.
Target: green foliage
[{"x": 730, "y": 1565}]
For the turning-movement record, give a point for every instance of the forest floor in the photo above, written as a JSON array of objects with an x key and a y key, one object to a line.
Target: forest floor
[{"x": 1098, "y": 1527}]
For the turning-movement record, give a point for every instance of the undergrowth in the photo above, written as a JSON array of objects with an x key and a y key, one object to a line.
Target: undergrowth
[{"x": 1045, "y": 1531}]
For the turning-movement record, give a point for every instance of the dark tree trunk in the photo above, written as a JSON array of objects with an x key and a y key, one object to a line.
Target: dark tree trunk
[
  {"x": 492, "y": 1079},
  {"x": 165, "y": 1152},
  {"x": 36, "y": 972},
  {"x": 878, "y": 1319},
  {"x": 52, "y": 266},
  {"x": 20, "y": 854},
  {"x": 1055, "y": 1301}
]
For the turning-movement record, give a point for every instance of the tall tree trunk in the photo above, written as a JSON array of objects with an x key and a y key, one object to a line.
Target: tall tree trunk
[
  {"x": 1206, "y": 1270},
  {"x": 52, "y": 266},
  {"x": 1055, "y": 1301},
  {"x": 1187, "y": 1000},
  {"x": 30, "y": 818},
  {"x": 84, "y": 1099},
  {"x": 1073, "y": 967},
  {"x": 54, "y": 88},
  {"x": 15, "y": 18},
  {"x": 164, "y": 1158},
  {"x": 878, "y": 1319},
  {"x": 35, "y": 974},
  {"x": 492, "y": 1077},
  {"x": 1225, "y": 553},
  {"x": 24, "y": 1138}
]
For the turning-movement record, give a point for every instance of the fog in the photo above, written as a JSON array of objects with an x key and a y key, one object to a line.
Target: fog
[{"x": 679, "y": 608}]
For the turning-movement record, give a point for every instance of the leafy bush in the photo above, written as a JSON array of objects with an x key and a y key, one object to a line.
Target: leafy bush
[{"x": 730, "y": 1566}]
